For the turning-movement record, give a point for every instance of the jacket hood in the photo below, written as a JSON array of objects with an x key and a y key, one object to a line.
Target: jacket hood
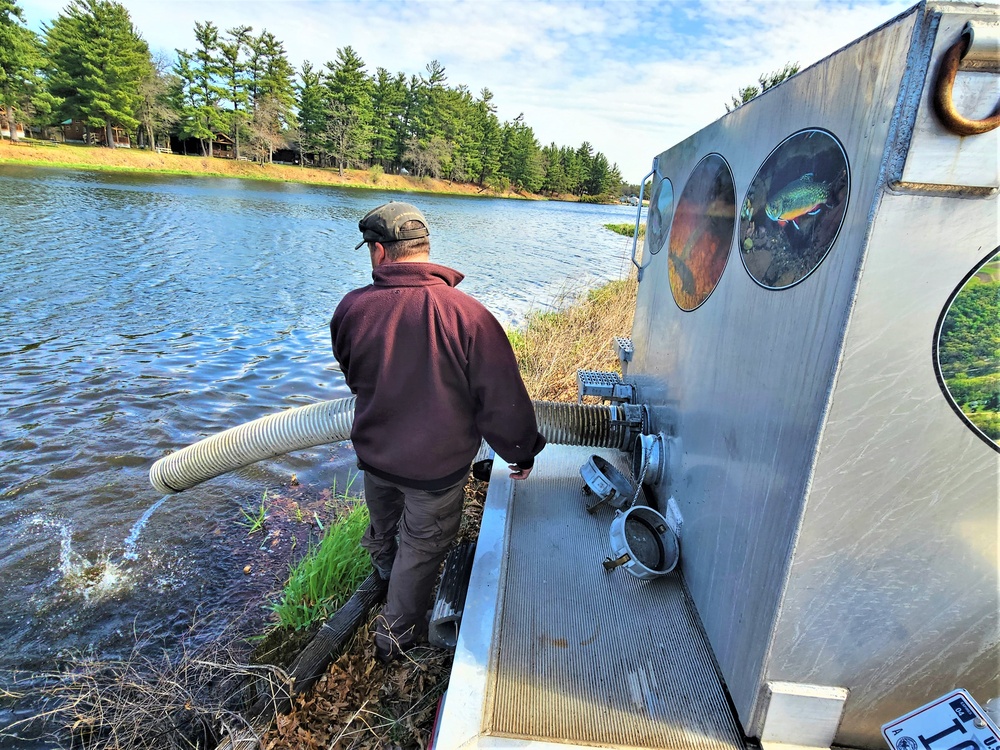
[{"x": 415, "y": 274}]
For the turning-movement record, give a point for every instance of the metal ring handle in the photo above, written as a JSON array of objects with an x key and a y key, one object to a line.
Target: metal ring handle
[
  {"x": 944, "y": 104},
  {"x": 638, "y": 218}
]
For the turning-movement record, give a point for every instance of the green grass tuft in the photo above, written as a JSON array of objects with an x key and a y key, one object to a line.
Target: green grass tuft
[
  {"x": 320, "y": 583},
  {"x": 254, "y": 521},
  {"x": 626, "y": 229}
]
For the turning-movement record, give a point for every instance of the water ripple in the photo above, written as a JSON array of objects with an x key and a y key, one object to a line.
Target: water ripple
[{"x": 143, "y": 313}]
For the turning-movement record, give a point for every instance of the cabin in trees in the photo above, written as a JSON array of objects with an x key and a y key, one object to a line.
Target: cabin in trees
[
  {"x": 223, "y": 146},
  {"x": 19, "y": 131},
  {"x": 75, "y": 131},
  {"x": 286, "y": 156}
]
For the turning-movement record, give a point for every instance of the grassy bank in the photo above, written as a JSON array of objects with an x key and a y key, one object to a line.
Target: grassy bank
[
  {"x": 320, "y": 583},
  {"x": 74, "y": 156},
  {"x": 552, "y": 346}
]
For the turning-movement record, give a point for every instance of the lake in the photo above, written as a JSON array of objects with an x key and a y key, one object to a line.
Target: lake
[{"x": 141, "y": 313}]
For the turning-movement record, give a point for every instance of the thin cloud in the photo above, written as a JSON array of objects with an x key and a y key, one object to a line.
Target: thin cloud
[{"x": 630, "y": 78}]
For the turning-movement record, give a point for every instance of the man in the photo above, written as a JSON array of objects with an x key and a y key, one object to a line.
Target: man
[{"x": 433, "y": 373}]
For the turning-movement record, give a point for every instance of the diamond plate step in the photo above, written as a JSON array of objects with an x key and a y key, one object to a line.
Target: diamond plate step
[{"x": 555, "y": 651}]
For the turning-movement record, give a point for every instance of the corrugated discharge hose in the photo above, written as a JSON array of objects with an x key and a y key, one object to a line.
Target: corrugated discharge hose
[{"x": 599, "y": 426}]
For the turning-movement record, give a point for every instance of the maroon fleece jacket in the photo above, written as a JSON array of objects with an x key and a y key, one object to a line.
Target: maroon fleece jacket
[{"x": 434, "y": 373}]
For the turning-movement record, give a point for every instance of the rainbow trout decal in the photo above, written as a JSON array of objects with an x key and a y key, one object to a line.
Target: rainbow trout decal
[{"x": 803, "y": 197}]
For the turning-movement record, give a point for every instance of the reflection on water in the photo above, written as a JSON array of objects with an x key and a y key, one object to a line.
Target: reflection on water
[{"x": 143, "y": 313}]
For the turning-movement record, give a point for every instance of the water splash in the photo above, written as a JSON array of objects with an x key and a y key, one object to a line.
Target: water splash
[
  {"x": 133, "y": 537},
  {"x": 94, "y": 581}
]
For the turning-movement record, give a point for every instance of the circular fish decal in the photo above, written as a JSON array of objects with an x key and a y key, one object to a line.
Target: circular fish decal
[
  {"x": 794, "y": 209},
  {"x": 702, "y": 232},
  {"x": 661, "y": 207}
]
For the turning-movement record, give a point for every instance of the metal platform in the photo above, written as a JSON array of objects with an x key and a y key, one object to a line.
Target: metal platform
[{"x": 556, "y": 652}]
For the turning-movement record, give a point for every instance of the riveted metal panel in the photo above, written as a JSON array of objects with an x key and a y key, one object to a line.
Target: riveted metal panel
[
  {"x": 840, "y": 520},
  {"x": 745, "y": 379},
  {"x": 894, "y": 590}
]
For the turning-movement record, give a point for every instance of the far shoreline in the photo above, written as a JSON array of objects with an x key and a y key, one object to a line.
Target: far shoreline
[{"x": 134, "y": 161}]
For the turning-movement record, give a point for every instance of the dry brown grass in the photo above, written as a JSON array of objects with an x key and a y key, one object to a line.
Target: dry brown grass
[
  {"x": 135, "y": 160},
  {"x": 554, "y": 345},
  {"x": 148, "y": 701}
]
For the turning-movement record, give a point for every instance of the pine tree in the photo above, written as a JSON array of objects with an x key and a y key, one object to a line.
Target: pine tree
[
  {"x": 599, "y": 180},
  {"x": 388, "y": 105},
  {"x": 404, "y": 125},
  {"x": 20, "y": 59},
  {"x": 193, "y": 122},
  {"x": 273, "y": 89},
  {"x": 460, "y": 130},
  {"x": 573, "y": 168},
  {"x": 490, "y": 138},
  {"x": 97, "y": 62},
  {"x": 200, "y": 94},
  {"x": 312, "y": 112},
  {"x": 521, "y": 158},
  {"x": 209, "y": 93},
  {"x": 555, "y": 181},
  {"x": 426, "y": 120},
  {"x": 350, "y": 108},
  {"x": 232, "y": 69}
]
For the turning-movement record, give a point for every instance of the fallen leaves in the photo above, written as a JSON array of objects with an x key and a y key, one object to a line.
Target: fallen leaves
[{"x": 361, "y": 704}]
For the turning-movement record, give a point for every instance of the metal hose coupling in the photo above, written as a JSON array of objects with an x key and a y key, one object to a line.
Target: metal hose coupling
[{"x": 595, "y": 425}]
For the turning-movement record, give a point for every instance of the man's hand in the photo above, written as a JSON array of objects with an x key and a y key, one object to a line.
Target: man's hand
[{"x": 517, "y": 472}]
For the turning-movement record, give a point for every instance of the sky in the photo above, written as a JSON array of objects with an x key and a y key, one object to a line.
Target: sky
[{"x": 632, "y": 78}]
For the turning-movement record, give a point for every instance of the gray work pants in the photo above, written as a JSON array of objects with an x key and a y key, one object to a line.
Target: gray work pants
[{"x": 427, "y": 523}]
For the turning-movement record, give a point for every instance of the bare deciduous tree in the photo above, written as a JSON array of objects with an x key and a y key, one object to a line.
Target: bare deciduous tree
[
  {"x": 156, "y": 114},
  {"x": 430, "y": 158},
  {"x": 266, "y": 134}
]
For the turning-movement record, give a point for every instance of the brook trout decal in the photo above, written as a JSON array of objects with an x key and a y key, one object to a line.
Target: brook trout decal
[
  {"x": 805, "y": 175},
  {"x": 803, "y": 197}
]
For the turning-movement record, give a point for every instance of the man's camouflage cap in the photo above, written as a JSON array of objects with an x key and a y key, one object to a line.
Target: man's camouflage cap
[{"x": 383, "y": 224}]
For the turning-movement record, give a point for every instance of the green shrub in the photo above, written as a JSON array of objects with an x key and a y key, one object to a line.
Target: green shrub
[{"x": 517, "y": 341}]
